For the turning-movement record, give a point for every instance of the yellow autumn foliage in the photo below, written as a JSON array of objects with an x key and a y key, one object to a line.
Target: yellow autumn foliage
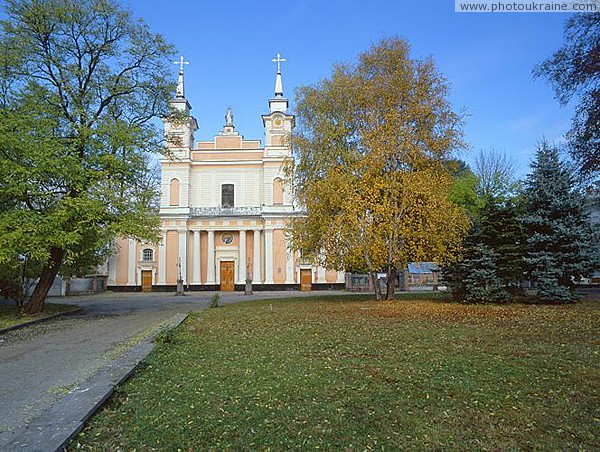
[{"x": 368, "y": 164}]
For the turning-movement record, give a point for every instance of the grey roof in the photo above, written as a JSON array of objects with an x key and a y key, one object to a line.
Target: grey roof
[{"x": 422, "y": 267}]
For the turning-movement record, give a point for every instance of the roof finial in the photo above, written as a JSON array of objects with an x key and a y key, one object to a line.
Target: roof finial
[
  {"x": 180, "y": 87},
  {"x": 278, "y": 84}
]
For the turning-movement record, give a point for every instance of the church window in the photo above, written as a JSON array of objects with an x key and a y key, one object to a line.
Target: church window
[
  {"x": 227, "y": 195},
  {"x": 277, "y": 191},
  {"x": 148, "y": 254},
  {"x": 174, "y": 192}
]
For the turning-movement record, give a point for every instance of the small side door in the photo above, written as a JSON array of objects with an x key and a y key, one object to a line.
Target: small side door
[
  {"x": 227, "y": 276},
  {"x": 305, "y": 279}
]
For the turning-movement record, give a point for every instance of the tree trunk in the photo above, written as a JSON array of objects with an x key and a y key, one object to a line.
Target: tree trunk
[
  {"x": 376, "y": 285},
  {"x": 404, "y": 281},
  {"x": 20, "y": 297},
  {"x": 36, "y": 302},
  {"x": 391, "y": 282}
]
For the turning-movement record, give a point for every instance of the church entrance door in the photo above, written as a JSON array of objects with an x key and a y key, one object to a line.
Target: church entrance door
[
  {"x": 227, "y": 275},
  {"x": 146, "y": 280},
  {"x": 305, "y": 279}
]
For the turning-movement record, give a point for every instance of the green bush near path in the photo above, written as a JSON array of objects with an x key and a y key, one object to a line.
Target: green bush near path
[
  {"x": 11, "y": 315},
  {"x": 357, "y": 375}
]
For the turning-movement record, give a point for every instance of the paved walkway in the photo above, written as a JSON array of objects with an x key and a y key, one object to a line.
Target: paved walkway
[{"x": 52, "y": 374}]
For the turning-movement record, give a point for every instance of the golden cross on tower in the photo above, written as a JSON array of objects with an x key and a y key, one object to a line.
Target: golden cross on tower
[
  {"x": 181, "y": 62},
  {"x": 278, "y": 60}
]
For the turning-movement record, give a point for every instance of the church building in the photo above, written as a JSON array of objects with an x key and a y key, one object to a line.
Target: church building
[{"x": 224, "y": 208}]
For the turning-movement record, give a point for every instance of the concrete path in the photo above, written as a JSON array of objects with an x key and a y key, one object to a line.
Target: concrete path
[{"x": 54, "y": 373}]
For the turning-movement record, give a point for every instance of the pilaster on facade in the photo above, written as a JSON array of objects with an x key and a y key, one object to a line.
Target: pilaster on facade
[
  {"x": 289, "y": 268},
  {"x": 241, "y": 190},
  {"x": 162, "y": 258},
  {"x": 320, "y": 274}
]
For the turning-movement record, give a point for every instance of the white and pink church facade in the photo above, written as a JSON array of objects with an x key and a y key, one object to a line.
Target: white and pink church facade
[{"x": 224, "y": 208}]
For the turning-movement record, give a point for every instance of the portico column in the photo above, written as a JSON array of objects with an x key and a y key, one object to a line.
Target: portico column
[
  {"x": 256, "y": 258},
  {"x": 210, "y": 258},
  {"x": 269, "y": 256},
  {"x": 183, "y": 255},
  {"x": 196, "y": 257},
  {"x": 162, "y": 259},
  {"x": 131, "y": 263},
  {"x": 242, "y": 257}
]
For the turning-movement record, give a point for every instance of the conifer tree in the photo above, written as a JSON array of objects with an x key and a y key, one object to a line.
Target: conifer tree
[
  {"x": 502, "y": 231},
  {"x": 481, "y": 281},
  {"x": 560, "y": 245},
  {"x": 491, "y": 261},
  {"x": 496, "y": 242}
]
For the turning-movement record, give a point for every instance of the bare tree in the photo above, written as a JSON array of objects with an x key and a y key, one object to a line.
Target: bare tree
[{"x": 495, "y": 171}]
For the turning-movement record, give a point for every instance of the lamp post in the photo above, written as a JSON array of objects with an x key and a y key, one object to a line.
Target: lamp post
[
  {"x": 248, "y": 287},
  {"x": 22, "y": 262},
  {"x": 179, "y": 279}
]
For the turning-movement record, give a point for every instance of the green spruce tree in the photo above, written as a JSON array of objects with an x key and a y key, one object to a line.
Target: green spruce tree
[
  {"x": 502, "y": 231},
  {"x": 492, "y": 259},
  {"x": 476, "y": 277},
  {"x": 560, "y": 245},
  {"x": 481, "y": 281}
]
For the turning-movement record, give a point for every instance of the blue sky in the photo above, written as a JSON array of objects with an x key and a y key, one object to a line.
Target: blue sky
[{"x": 486, "y": 57}]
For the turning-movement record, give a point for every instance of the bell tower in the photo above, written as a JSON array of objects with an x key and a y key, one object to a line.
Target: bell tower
[
  {"x": 176, "y": 166},
  {"x": 278, "y": 123},
  {"x": 180, "y": 125}
]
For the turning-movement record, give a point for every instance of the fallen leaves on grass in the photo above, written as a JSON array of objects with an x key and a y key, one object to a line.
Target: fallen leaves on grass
[{"x": 364, "y": 375}]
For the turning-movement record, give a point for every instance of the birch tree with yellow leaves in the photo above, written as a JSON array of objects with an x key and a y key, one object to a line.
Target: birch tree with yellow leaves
[{"x": 367, "y": 165}]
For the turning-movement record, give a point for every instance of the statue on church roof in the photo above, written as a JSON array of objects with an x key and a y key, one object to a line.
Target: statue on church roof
[{"x": 229, "y": 118}]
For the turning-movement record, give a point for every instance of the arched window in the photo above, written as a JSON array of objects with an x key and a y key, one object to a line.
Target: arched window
[
  {"x": 277, "y": 191},
  {"x": 148, "y": 254},
  {"x": 174, "y": 192},
  {"x": 227, "y": 195}
]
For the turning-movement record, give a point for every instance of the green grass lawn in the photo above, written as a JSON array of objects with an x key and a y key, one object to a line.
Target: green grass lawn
[
  {"x": 11, "y": 315},
  {"x": 359, "y": 375}
]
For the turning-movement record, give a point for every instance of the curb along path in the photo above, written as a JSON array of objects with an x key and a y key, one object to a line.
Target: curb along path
[
  {"x": 58, "y": 424},
  {"x": 75, "y": 310}
]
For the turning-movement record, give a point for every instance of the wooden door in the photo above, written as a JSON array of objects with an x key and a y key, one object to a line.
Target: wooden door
[
  {"x": 227, "y": 275},
  {"x": 305, "y": 279},
  {"x": 146, "y": 280}
]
